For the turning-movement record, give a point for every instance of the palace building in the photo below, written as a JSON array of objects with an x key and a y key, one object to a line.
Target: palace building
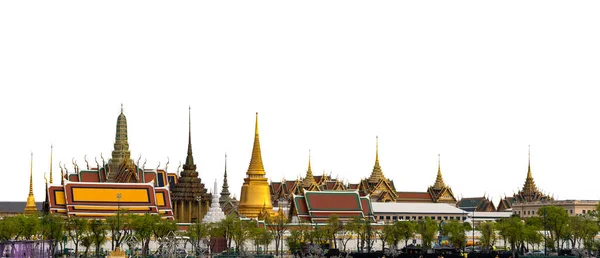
[{"x": 529, "y": 193}]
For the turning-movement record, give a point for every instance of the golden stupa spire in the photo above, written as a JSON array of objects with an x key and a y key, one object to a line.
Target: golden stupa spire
[
  {"x": 309, "y": 179},
  {"x": 30, "y": 207},
  {"x": 376, "y": 174},
  {"x": 439, "y": 181},
  {"x": 50, "y": 163},
  {"x": 256, "y": 165},
  {"x": 529, "y": 189}
]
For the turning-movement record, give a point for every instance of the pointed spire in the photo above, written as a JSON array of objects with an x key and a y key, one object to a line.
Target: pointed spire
[
  {"x": 225, "y": 189},
  {"x": 30, "y": 207},
  {"x": 31, "y": 175},
  {"x": 50, "y": 163},
  {"x": 439, "y": 181},
  {"x": 376, "y": 149},
  {"x": 189, "y": 167},
  {"x": 309, "y": 179},
  {"x": 529, "y": 162},
  {"x": 529, "y": 189},
  {"x": 376, "y": 174},
  {"x": 256, "y": 165}
]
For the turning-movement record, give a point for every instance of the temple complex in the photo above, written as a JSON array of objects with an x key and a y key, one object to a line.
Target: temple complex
[
  {"x": 120, "y": 183},
  {"x": 214, "y": 214},
  {"x": 255, "y": 194},
  {"x": 529, "y": 193},
  {"x": 190, "y": 197}
]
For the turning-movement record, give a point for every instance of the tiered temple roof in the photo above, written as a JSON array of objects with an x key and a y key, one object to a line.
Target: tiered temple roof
[
  {"x": 214, "y": 214},
  {"x": 119, "y": 184},
  {"x": 318, "y": 206}
]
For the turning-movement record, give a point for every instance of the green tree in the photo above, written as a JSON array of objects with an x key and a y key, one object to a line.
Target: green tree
[
  {"x": 98, "y": 234},
  {"x": 346, "y": 234},
  {"x": 28, "y": 226},
  {"x": 260, "y": 236},
  {"x": 333, "y": 227},
  {"x": 9, "y": 228},
  {"x": 532, "y": 235},
  {"x": 405, "y": 230},
  {"x": 119, "y": 227},
  {"x": 556, "y": 222},
  {"x": 278, "y": 225},
  {"x": 142, "y": 226},
  {"x": 357, "y": 226},
  {"x": 86, "y": 241},
  {"x": 241, "y": 232},
  {"x": 512, "y": 229},
  {"x": 196, "y": 232},
  {"x": 162, "y": 228},
  {"x": 53, "y": 229},
  {"x": 455, "y": 230},
  {"x": 297, "y": 239},
  {"x": 427, "y": 228},
  {"x": 213, "y": 231},
  {"x": 227, "y": 226},
  {"x": 76, "y": 228},
  {"x": 488, "y": 234},
  {"x": 386, "y": 235}
]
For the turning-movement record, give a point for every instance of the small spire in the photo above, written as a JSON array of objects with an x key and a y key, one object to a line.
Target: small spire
[
  {"x": 529, "y": 162},
  {"x": 309, "y": 179},
  {"x": 51, "y": 163},
  {"x": 121, "y": 108}
]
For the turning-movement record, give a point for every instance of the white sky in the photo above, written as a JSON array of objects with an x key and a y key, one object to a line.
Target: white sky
[{"x": 476, "y": 81}]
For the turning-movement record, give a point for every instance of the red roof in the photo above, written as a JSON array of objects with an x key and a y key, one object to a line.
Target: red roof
[{"x": 414, "y": 195}]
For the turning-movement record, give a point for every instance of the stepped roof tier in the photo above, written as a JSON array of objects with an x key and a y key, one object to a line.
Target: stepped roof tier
[{"x": 318, "y": 206}]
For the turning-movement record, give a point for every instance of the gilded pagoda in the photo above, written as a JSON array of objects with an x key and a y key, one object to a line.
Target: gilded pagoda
[{"x": 255, "y": 195}]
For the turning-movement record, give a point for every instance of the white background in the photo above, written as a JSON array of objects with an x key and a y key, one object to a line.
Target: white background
[{"x": 475, "y": 81}]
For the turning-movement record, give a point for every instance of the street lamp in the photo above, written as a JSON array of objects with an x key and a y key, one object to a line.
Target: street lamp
[
  {"x": 199, "y": 199},
  {"x": 118, "y": 219}
]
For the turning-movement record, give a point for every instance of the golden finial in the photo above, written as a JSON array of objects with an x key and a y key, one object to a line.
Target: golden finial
[
  {"x": 50, "y": 163},
  {"x": 377, "y": 149},
  {"x": 121, "y": 108},
  {"x": 256, "y": 166},
  {"x": 87, "y": 165},
  {"x": 31, "y": 175},
  {"x": 529, "y": 162},
  {"x": 439, "y": 181}
]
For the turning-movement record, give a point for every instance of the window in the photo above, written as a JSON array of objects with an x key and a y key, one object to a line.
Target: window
[
  {"x": 464, "y": 218},
  {"x": 571, "y": 211},
  {"x": 407, "y": 217},
  {"x": 432, "y": 217},
  {"x": 445, "y": 217},
  {"x": 583, "y": 211},
  {"x": 394, "y": 217},
  {"x": 387, "y": 217},
  {"x": 414, "y": 217},
  {"x": 439, "y": 217},
  {"x": 381, "y": 217},
  {"x": 420, "y": 217}
]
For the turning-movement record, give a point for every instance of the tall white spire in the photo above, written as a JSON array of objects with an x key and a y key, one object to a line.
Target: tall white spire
[{"x": 214, "y": 214}]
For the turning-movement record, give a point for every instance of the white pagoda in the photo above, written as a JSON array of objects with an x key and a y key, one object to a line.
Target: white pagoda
[{"x": 214, "y": 214}]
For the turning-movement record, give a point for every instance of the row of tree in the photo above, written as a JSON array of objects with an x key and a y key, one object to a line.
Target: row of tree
[{"x": 553, "y": 227}]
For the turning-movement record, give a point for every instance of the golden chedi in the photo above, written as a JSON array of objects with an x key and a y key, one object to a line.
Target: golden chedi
[{"x": 255, "y": 195}]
